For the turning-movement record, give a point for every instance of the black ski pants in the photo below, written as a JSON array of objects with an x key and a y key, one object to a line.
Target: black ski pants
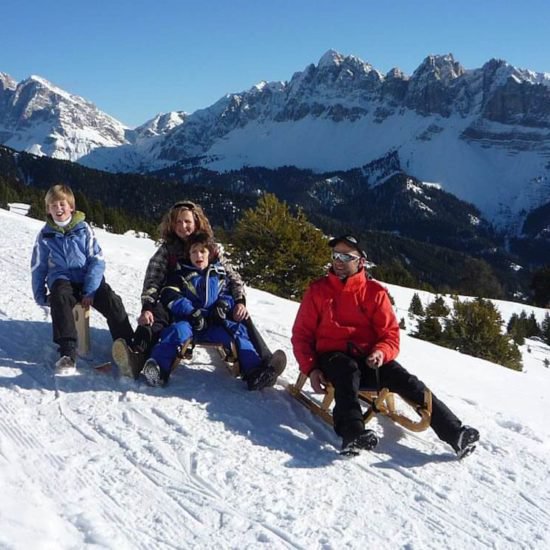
[
  {"x": 64, "y": 295},
  {"x": 348, "y": 374}
]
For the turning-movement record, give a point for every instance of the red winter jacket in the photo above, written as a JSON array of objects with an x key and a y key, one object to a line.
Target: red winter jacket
[{"x": 334, "y": 312}]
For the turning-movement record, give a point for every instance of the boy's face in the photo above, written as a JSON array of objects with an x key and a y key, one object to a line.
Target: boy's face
[
  {"x": 60, "y": 210},
  {"x": 199, "y": 255}
]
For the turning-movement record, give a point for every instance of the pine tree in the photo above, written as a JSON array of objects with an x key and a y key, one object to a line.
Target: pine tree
[
  {"x": 475, "y": 328},
  {"x": 515, "y": 329},
  {"x": 429, "y": 329},
  {"x": 541, "y": 286},
  {"x": 533, "y": 328},
  {"x": 437, "y": 308},
  {"x": 416, "y": 307},
  {"x": 545, "y": 329},
  {"x": 277, "y": 251}
]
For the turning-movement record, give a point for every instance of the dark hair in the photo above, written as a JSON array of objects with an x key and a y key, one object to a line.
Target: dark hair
[
  {"x": 202, "y": 238},
  {"x": 350, "y": 240}
]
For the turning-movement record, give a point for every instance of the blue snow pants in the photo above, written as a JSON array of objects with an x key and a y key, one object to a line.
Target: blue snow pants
[{"x": 179, "y": 332}]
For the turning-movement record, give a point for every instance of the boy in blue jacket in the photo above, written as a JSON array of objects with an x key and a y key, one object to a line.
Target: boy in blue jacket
[
  {"x": 67, "y": 267},
  {"x": 201, "y": 305}
]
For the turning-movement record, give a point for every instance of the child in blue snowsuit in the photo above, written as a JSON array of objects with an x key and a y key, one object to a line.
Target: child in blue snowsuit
[
  {"x": 200, "y": 303},
  {"x": 67, "y": 268}
]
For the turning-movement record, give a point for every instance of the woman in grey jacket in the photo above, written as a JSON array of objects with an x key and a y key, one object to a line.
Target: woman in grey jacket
[{"x": 182, "y": 220}]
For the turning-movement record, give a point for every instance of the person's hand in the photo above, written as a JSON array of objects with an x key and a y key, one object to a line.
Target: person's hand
[
  {"x": 219, "y": 312},
  {"x": 375, "y": 359},
  {"x": 240, "y": 313},
  {"x": 318, "y": 381},
  {"x": 87, "y": 301},
  {"x": 146, "y": 318},
  {"x": 197, "y": 321}
]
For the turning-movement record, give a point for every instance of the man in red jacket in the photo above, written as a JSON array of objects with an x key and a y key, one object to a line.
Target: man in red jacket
[{"x": 344, "y": 331}]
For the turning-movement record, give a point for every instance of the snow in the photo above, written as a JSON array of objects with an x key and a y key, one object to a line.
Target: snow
[{"x": 93, "y": 461}]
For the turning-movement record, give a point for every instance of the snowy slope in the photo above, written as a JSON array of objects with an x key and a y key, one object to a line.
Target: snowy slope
[{"x": 97, "y": 462}]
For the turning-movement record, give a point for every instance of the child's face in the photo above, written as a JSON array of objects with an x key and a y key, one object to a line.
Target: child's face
[
  {"x": 60, "y": 210},
  {"x": 199, "y": 255}
]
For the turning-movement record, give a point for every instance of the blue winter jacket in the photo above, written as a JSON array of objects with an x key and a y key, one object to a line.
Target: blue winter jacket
[
  {"x": 189, "y": 289},
  {"x": 71, "y": 253}
]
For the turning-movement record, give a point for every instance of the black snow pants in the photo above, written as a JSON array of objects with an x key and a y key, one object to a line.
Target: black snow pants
[
  {"x": 348, "y": 374},
  {"x": 64, "y": 295}
]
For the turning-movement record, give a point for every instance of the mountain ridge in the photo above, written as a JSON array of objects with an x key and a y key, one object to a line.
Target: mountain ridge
[{"x": 482, "y": 134}]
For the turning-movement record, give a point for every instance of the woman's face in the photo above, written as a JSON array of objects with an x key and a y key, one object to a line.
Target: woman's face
[{"x": 185, "y": 224}]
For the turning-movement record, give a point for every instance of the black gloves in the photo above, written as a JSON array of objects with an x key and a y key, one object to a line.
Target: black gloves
[
  {"x": 219, "y": 312},
  {"x": 197, "y": 321}
]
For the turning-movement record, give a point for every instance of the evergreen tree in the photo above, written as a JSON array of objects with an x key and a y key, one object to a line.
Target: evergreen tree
[
  {"x": 545, "y": 329},
  {"x": 437, "y": 308},
  {"x": 520, "y": 327},
  {"x": 416, "y": 307},
  {"x": 475, "y": 328},
  {"x": 540, "y": 285},
  {"x": 533, "y": 328},
  {"x": 429, "y": 329},
  {"x": 279, "y": 252},
  {"x": 516, "y": 330}
]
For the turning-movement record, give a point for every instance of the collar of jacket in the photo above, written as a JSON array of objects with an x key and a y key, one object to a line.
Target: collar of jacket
[
  {"x": 77, "y": 218},
  {"x": 356, "y": 280}
]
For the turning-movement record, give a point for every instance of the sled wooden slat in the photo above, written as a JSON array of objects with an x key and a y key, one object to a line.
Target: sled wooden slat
[
  {"x": 378, "y": 402},
  {"x": 230, "y": 359},
  {"x": 82, "y": 321}
]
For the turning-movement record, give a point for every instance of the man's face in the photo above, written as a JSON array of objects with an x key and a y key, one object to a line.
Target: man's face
[
  {"x": 341, "y": 268},
  {"x": 199, "y": 255}
]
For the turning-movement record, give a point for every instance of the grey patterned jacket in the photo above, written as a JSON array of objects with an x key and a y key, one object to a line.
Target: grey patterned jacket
[{"x": 166, "y": 258}]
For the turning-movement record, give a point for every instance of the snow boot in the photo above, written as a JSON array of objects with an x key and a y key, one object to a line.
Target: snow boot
[
  {"x": 466, "y": 442},
  {"x": 261, "y": 378},
  {"x": 365, "y": 441},
  {"x": 65, "y": 365},
  {"x": 129, "y": 362},
  {"x": 266, "y": 377},
  {"x": 151, "y": 373}
]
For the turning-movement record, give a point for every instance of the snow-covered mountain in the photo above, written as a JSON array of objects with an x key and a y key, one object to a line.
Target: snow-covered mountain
[
  {"x": 38, "y": 117},
  {"x": 94, "y": 461},
  {"x": 482, "y": 134}
]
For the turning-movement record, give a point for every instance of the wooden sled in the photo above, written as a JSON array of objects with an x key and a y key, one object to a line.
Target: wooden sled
[
  {"x": 378, "y": 402},
  {"x": 229, "y": 356}
]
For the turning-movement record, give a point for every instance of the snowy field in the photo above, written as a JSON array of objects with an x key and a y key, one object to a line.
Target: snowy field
[{"x": 94, "y": 461}]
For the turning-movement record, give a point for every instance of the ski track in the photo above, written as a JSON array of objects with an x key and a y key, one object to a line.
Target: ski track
[{"x": 160, "y": 462}]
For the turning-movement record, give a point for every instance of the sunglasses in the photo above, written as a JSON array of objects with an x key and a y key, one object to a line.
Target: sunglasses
[
  {"x": 343, "y": 257},
  {"x": 185, "y": 204}
]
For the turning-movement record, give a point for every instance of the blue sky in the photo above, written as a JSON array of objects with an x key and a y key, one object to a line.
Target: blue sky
[{"x": 136, "y": 58}]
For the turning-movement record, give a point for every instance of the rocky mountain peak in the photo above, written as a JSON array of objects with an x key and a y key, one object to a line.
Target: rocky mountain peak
[
  {"x": 438, "y": 67},
  {"x": 7, "y": 82}
]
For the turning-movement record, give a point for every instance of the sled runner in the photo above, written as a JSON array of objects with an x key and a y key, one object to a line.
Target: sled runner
[{"x": 377, "y": 402}]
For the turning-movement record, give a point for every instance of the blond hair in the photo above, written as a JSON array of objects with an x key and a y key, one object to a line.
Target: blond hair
[
  {"x": 167, "y": 227},
  {"x": 59, "y": 192}
]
